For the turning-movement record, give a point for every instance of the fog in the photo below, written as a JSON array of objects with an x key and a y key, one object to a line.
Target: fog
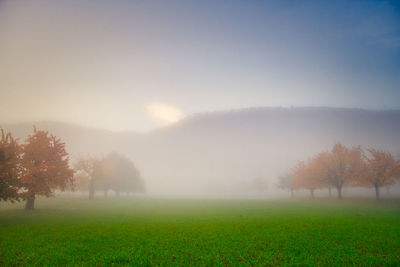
[
  {"x": 199, "y": 133},
  {"x": 206, "y": 99},
  {"x": 233, "y": 154}
]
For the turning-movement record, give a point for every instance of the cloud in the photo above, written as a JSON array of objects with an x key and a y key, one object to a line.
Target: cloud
[{"x": 165, "y": 112}]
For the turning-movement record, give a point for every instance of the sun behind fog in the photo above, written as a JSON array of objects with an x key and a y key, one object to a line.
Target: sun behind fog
[{"x": 165, "y": 112}]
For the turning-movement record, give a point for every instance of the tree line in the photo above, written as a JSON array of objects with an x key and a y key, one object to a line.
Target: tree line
[
  {"x": 343, "y": 166},
  {"x": 41, "y": 165},
  {"x": 113, "y": 172}
]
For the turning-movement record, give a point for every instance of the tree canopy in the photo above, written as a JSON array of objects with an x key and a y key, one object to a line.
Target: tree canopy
[
  {"x": 113, "y": 172},
  {"x": 10, "y": 167},
  {"x": 344, "y": 166},
  {"x": 46, "y": 166}
]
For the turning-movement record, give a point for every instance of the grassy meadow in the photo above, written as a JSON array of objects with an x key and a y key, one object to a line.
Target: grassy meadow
[{"x": 155, "y": 232}]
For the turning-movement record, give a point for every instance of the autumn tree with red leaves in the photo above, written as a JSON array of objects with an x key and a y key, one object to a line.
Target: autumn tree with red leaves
[
  {"x": 341, "y": 166},
  {"x": 307, "y": 176},
  {"x": 46, "y": 167},
  {"x": 381, "y": 169},
  {"x": 10, "y": 167}
]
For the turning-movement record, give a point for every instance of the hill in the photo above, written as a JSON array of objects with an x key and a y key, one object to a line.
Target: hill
[{"x": 223, "y": 153}]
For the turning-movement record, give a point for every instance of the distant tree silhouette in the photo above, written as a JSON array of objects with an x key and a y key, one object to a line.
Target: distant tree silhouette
[
  {"x": 90, "y": 172},
  {"x": 113, "y": 172},
  {"x": 287, "y": 181},
  {"x": 82, "y": 181},
  {"x": 121, "y": 175}
]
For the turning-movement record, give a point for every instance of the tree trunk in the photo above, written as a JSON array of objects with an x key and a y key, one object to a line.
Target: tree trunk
[
  {"x": 105, "y": 193},
  {"x": 291, "y": 192},
  {"x": 312, "y": 193},
  {"x": 30, "y": 202},
  {"x": 91, "y": 189},
  {"x": 339, "y": 192},
  {"x": 377, "y": 191},
  {"x": 117, "y": 193},
  {"x": 330, "y": 191}
]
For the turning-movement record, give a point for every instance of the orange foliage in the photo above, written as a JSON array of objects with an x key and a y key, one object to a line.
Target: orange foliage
[
  {"x": 46, "y": 166},
  {"x": 306, "y": 175},
  {"x": 336, "y": 168},
  {"x": 10, "y": 167},
  {"x": 381, "y": 169}
]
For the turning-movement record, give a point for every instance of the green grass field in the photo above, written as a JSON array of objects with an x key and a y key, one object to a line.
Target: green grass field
[{"x": 142, "y": 232}]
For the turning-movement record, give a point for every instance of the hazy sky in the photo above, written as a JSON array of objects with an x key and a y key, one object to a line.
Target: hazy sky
[{"x": 137, "y": 65}]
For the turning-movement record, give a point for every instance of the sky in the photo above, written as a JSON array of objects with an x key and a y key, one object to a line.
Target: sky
[{"x": 138, "y": 65}]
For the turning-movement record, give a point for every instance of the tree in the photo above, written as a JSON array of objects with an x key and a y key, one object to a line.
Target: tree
[
  {"x": 324, "y": 169},
  {"x": 121, "y": 175},
  {"x": 10, "y": 167},
  {"x": 341, "y": 166},
  {"x": 307, "y": 176},
  {"x": 287, "y": 181},
  {"x": 91, "y": 168},
  {"x": 46, "y": 167},
  {"x": 381, "y": 169},
  {"x": 113, "y": 172},
  {"x": 82, "y": 181}
]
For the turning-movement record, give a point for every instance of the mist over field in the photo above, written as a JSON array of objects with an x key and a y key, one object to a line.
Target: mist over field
[
  {"x": 223, "y": 154},
  {"x": 199, "y": 133}
]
